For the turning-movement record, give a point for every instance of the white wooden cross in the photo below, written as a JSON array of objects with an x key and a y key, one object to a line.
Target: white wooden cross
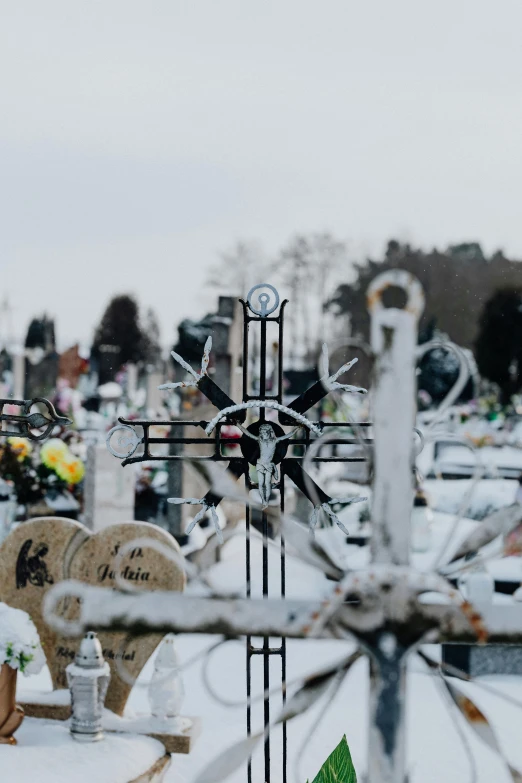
[{"x": 386, "y": 607}]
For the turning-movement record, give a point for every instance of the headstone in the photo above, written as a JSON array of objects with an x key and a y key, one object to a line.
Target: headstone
[
  {"x": 132, "y": 380},
  {"x": 41, "y": 377},
  {"x": 144, "y": 569},
  {"x": 34, "y": 557},
  {"x": 42, "y": 552},
  {"x": 70, "y": 366},
  {"x": 155, "y": 398},
  {"x": 109, "y": 490},
  {"x": 227, "y": 341},
  {"x": 19, "y": 375}
]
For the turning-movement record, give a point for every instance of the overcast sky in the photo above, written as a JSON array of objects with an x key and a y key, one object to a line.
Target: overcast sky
[{"x": 138, "y": 139}]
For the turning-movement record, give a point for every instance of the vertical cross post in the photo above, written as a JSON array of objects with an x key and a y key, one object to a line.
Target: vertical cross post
[
  {"x": 175, "y": 485},
  {"x": 393, "y": 335}
]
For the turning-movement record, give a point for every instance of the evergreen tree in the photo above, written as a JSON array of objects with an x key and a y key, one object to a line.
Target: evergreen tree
[
  {"x": 457, "y": 284},
  {"x": 119, "y": 337},
  {"x": 499, "y": 344}
]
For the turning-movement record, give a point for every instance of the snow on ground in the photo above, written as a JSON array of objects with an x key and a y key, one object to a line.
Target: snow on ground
[
  {"x": 47, "y": 753},
  {"x": 435, "y": 752},
  {"x": 488, "y": 495}
]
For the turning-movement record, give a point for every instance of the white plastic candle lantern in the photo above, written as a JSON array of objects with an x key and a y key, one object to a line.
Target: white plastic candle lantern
[
  {"x": 421, "y": 519},
  {"x": 166, "y": 691},
  {"x": 88, "y": 678}
]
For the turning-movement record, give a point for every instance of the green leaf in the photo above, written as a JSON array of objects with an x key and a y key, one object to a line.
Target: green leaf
[{"x": 338, "y": 767}]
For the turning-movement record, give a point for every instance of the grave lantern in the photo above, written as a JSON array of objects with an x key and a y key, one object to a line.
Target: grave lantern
[
  {"x": 166, "y": 690},
  {"x": 88, "y": 678}
]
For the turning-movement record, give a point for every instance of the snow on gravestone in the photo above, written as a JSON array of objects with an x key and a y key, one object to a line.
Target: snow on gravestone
[{"x": 43, "y": 552}]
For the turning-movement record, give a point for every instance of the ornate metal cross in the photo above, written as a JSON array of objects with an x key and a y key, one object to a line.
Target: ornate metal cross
[
  {"x": 265, "y": 445},
  {"x": 386, "y": 608}
]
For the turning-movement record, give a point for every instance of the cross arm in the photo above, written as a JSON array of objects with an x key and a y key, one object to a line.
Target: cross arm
[
  {"x": 321, "y": 388},
  {"x": 235, "y": 469},
  {"x": 161, "y": 611},
  {"x": 201, "y": 381},
  {"x": 217, "y": 396},
  {"x": 305, "y": 483}
]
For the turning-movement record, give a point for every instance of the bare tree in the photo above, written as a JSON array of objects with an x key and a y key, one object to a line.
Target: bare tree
[
  {"x": 240, "y": 268},
  {"x": 308, "y": 268}
]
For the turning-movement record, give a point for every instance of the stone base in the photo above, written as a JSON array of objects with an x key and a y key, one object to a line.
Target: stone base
[
  {"x": 46, "y": 752},
  {"x": 156, "y": 773},
  {"x": 174, "y": 741},
  {"x": 477, "y": 660}
]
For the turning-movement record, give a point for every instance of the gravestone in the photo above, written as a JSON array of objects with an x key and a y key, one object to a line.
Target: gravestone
[
  {"x": 19, "y": 375},
  {"x": 227, "y": 346},
  {"x": 42, "y": 552},
  {"x": 41, "y": 377},
  {"x": 155, "y": 398},
  {"x": 109, "y": 490},
  {"x": 35, "y": 556},
  {"x": 71, "y": 365},
  {"x": 144, "y": 569}
]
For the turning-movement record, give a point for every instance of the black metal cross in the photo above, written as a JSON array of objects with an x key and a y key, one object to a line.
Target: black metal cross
[{"x": 289, "y": 465}]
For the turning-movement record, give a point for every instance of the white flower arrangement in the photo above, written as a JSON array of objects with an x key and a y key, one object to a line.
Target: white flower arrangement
[{"x": 20, "y": 646}]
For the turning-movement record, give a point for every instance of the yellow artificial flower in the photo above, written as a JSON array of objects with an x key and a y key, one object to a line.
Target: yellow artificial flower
[
  {"x": 70, "y": 469},
  {"x": 21, "y": 447},
  {"x": 53, "y": 453}
]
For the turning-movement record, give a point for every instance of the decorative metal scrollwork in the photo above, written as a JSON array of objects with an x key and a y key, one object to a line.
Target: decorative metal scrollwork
[
  {"x": 315, "y": 428},
  {"x": 127, "y": 441},
  {"x": 263, "y": 300},
  {"x": 27, "y": 422}
]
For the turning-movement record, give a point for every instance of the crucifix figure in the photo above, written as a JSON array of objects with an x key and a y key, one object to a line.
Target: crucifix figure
[{"x": 265, "y": 466}]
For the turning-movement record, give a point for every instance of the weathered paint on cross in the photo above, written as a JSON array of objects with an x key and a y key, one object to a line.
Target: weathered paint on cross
[{"x": 393, "y": 340}]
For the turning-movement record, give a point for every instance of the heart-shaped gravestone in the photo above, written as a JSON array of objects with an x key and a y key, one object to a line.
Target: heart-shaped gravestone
[
  {"x": 143, "y": 568},
  {"x": 52, "y": 549},
  {"x": 35, "y": 556}
]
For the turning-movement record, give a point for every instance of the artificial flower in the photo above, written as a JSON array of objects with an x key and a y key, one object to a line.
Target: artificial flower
[
  {"x": 53, "y": 453},
  {"x": 70, "y": 469},
  {"x": 21, "y": 447},
  {"x": 20, "y": 646}
]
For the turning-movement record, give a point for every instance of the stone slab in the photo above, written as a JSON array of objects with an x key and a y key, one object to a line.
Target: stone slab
[
  {"x": 46, "y": 752},
  {"x": 477, "y": 660},
  {"x": 109, "y": 489},
  {"x": 174, "y": 742}
]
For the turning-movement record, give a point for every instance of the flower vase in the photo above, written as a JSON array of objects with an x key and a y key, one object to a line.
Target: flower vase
[{"x": 11, "y": 715}]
